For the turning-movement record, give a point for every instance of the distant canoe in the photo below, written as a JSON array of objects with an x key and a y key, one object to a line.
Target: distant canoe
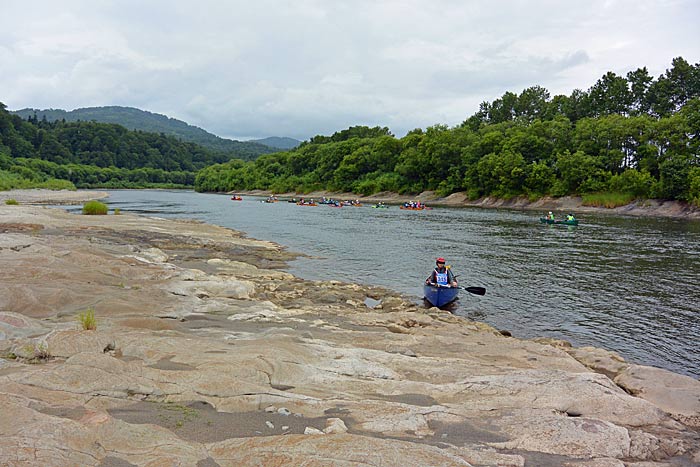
[
  {"x": 306, "y": 204},
  {"x": 440, "y": 296},
  {"x": 544, "y": 220},
  {"x": 236, "y": 198},
  {"x": 410, "y": 208}
]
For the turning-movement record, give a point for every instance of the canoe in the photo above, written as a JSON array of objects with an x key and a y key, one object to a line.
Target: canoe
[
  {"x": 233, "y": 198},
  {"x": 408, "y": 208},
  {"x": 544, "y": 220},
  {"x": 440, "y": 296},
  {"x": 379, "y": 206},
  {"x": 306, "y": 204}
]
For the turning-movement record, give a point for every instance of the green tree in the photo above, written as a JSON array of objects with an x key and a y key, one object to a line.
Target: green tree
[
  {"x": 532, "y": 104},
  {"x": 610, "y": 95},
  {"x": 640, "y": 82}
]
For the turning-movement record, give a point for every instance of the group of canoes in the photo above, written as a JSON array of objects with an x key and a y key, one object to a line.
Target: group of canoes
[
  {"x": 339, "y": 204},
  {"x": 334, "y": 203}
]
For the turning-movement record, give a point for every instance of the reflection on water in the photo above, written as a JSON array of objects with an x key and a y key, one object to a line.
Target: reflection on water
[{"x": 625, "y": 284}]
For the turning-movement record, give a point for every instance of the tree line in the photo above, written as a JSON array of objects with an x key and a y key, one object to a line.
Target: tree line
[
  {"x": 634, "y": 135},
  {"x": 90, "y": 154}
]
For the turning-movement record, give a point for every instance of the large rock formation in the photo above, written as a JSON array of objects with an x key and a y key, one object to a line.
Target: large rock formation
[{"x": 206, "y": 353}]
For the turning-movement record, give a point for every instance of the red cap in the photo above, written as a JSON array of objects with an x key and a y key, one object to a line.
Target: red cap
[{"x": 440, "y": 260}]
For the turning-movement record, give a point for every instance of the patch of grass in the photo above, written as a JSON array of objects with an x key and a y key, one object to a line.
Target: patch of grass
[
  {"x": 176, "y": 415},
  {"x": 87, "y": 320},
  {"x": 117, "y": 211},
  {"x": 95, "y": 208},
  {"x": 607, "y": 200},
  {"x": 35, "y": 353},
  {"x": 8, "y": 355},
  {"x": 11, "y": 202},
  {"x": 41, "y": 351}
]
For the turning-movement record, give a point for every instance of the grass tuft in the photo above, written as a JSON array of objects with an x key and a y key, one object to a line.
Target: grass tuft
[
  {"x": 607, "y": 200},
  {"x": 95, "y": 208},
  {"x": 87, "y": 320},
  {"x": 11, "y": 201},
  {"x": 117, "y": 211}
]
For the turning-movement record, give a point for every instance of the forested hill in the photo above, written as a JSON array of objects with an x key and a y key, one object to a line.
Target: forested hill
[
  {"x": 626, "y": 137},
  {"x": 136, "y": 119},
  {"x": 92, "y": 154}
]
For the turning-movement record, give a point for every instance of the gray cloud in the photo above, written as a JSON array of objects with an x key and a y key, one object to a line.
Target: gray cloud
[{"x": 244, "y": 69}]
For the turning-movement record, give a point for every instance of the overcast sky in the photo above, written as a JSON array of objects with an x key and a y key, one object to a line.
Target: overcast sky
[{"x": 251, "y": 69}]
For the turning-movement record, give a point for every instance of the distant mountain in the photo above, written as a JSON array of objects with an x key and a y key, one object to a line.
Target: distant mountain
[
  {"x": 136, "y": 119},
  {"x": 278, "y": 142}
]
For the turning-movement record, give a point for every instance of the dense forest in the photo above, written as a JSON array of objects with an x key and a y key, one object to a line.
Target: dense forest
[
  {"x": 631, "y": 135},
  {"x": 89, "y": 154},
  {"x": 136, "y": 119}
]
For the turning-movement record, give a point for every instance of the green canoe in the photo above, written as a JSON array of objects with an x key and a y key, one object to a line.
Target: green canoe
[{"x": 544, "y": 220}]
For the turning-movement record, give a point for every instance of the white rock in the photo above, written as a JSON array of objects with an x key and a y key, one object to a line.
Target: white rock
[{"x": 335, "y": 426}]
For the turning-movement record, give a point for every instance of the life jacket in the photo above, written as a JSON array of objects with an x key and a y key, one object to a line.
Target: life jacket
[{"x": 441, "y": 278}]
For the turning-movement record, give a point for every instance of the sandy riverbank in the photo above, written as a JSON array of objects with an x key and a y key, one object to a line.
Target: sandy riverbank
[
  {"x": 561, "y": 206},
  {"x": 207, "y": 353}
]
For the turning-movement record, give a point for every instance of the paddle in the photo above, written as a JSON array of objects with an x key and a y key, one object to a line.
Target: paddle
[{"x": 474, "y": 290}]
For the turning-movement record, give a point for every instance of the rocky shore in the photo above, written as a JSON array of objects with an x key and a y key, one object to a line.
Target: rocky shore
[
  {"x": 206, "y": 353},
  {"x": 563, "y": 205}
]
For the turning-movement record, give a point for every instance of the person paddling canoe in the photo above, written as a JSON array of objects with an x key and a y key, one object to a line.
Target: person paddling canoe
[{"x": 441, "y": 275}]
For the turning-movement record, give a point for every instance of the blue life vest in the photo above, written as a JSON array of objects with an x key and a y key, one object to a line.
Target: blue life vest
[{"x": 441, "y": 277}]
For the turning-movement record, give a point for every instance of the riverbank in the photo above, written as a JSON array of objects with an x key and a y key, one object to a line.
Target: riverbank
[
  {"x": 206, "y": 353},
  {"x": 561, "y": 206}
]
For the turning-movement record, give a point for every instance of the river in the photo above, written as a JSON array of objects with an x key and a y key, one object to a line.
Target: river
[{"x": 626, "y": 284}]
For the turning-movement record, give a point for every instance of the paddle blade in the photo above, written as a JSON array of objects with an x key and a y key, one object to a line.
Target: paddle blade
[{"x": 475, "y": 290}]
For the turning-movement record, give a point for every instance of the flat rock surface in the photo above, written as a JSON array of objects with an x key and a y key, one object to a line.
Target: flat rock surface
[
  {"x": 207, "y": 353},
  {"x": 41, "y": 196}
]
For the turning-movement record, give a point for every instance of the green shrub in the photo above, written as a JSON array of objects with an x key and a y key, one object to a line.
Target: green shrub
[
  {"x": 694, "y": 186},
  {"x": 117, "y": 211},
  {"x": 87, "y": 320},
  {"x": 95, "y": 208},
  {"x": 638, "y": 183},
  {"x": 11, "y": 201}
]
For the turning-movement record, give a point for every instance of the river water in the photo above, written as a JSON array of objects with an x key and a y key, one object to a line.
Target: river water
[{"x": 621, "y": 283}]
